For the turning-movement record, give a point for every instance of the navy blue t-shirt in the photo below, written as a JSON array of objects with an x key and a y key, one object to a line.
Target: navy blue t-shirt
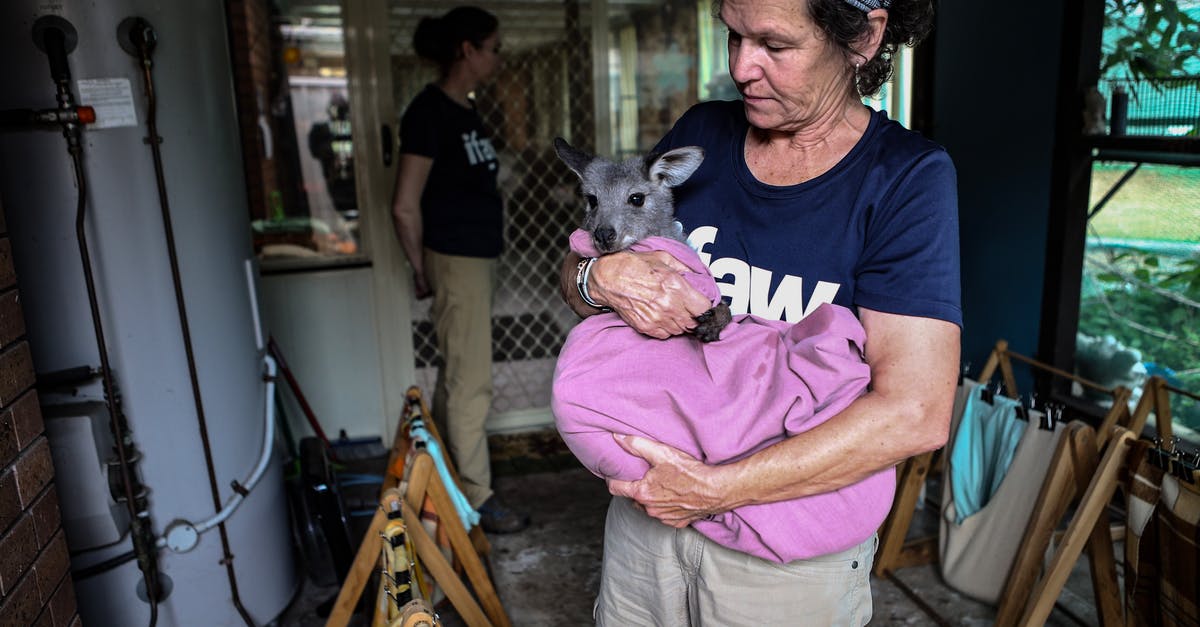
[
  {"x": 461, "y": 210},
  {"x": 878, "y": 230}
]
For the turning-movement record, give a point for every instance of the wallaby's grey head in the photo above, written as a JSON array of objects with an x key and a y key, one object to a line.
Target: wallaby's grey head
[{"x": 631, "y": 200}]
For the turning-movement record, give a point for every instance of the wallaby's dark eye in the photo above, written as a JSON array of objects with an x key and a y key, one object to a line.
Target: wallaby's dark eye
[
  {"x": 637, "y": 199},
  {"x": 591, "y": 198}
]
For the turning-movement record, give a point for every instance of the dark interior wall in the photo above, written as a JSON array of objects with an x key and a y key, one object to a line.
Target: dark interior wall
[{"x": 994, "y": 100}]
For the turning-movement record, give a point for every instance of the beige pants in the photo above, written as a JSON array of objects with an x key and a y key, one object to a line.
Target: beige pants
[
  {"x": 462, "y": 318},
  {"x": 658, "y": 575}
]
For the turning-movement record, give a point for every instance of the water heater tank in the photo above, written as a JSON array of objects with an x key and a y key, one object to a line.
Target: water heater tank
[{"x": 136, "y": 296}]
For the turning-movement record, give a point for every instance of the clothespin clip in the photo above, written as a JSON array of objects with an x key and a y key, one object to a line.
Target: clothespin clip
[
  {"x": 1158, "y": 456},
  {"x": 987, "y": 394},
  {"x": 1191, "y": 467},
  {"x": 419, "y": 441},
  {"x": 1180, "y": 467},
  {"x": 1021, "y": 411},
  {"x": 1052, "y": 415}
]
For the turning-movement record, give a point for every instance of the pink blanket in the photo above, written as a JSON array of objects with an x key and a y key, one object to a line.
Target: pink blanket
[{"x": 762, "y": 382}]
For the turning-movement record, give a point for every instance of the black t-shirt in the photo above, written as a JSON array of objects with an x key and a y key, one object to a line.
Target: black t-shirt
[{"x": 460, "y": 206}]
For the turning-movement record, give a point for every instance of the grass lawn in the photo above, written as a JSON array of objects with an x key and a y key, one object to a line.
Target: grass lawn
[{"x": 1159, "y": 202}]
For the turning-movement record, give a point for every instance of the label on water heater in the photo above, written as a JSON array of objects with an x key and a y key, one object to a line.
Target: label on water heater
[{"x": 112, "y": 98}]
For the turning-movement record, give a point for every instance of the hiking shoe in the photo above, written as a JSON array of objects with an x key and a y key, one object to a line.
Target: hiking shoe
[{"x": 497, "y": 517}]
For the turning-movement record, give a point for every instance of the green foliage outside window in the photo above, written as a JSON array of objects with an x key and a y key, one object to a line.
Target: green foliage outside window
[
  {"x": 1141, "y": 279},
  {"x": 1150, "y": 303},
  {"x": 1145, "y": 40}
]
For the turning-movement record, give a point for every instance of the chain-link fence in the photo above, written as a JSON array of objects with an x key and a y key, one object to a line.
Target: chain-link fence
[{"x": 1163, "y": 107}]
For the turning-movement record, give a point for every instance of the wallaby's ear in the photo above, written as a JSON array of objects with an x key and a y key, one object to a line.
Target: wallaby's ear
[
  {"x": 577, "y": 160},
  {"x": 674, "y": 166}
]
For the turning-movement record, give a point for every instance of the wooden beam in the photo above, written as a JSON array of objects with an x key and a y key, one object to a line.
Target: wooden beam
[
  {"x": 911, "y": 473},
  {"x": 1079, "y": 532}
]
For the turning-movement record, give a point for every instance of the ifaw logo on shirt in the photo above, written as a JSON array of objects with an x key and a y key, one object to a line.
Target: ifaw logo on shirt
[
  {"x": 747, "y": 286},
  {"x": 479, "y": 150}
]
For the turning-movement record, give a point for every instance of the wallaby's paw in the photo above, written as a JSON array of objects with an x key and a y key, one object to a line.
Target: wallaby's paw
[{"x": 710, "y": 323}]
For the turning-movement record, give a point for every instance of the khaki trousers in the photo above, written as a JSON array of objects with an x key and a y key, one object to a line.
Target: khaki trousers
[
  {"x": 654, "y": 574},
  {"x": 462, "y": 318}
]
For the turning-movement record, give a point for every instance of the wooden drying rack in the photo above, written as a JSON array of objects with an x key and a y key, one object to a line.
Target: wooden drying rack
[
  {"x": 1156, "y": 397},
  {"x": 1075, "y": 461},
  {"x": 421, "y": 479},
  {"x": 1088, "y": 527}
]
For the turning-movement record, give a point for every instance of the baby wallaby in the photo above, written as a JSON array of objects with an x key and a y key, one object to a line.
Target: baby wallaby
[{"x": 632, "y": 200}]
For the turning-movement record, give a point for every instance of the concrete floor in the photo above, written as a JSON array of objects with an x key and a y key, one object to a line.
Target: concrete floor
[{"x": 548, "y": 575}]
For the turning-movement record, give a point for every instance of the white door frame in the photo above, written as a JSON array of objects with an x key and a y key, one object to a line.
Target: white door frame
[{"x": 368, "y": 68}]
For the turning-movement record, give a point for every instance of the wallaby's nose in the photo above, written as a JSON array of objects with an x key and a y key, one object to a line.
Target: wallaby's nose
[{"x": 604, "y": 237}]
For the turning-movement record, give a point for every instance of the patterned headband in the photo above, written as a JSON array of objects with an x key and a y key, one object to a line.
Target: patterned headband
[{"x": 867, "y": 6}]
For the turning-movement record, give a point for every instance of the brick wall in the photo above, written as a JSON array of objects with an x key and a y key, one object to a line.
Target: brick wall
[
  {"x": 251, "y": 43},
  {"x": 35, "y": 583}
]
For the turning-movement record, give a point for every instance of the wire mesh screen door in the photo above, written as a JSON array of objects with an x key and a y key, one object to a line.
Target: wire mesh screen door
[{"x": 543, "y": 90}]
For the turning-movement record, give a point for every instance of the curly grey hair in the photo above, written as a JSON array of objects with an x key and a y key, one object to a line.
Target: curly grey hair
[{"x": 845, "y": 23}]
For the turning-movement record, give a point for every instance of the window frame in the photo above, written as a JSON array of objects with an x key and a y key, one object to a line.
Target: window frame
[{"x": 1074, "y": 155}]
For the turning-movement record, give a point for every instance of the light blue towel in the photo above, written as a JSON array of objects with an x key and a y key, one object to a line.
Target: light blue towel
[
  {"x": 983, "y": 449},
  {"x": 467, "y": 514}
]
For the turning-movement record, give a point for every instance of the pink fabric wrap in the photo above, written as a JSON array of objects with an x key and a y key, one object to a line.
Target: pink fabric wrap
[{"x": 719, "y": 402}]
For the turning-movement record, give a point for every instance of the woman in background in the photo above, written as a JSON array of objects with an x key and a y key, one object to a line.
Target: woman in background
[{"x": 448, "y": 216}]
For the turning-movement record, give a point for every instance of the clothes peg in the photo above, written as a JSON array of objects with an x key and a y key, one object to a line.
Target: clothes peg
[
  {"x": 987, "y": 394},
  {"x": 1050, "y": 416},
  {"x": 1182, "y": 468},
  {"x": 1158, "y": 456},
  {"x": 1021, "y": 411}
]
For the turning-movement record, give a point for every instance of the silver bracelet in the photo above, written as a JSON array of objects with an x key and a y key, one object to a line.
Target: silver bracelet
[{"x": 582, "y": 271}]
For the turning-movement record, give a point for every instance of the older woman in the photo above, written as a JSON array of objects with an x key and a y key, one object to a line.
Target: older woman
[{"x": 805, "y": 196}]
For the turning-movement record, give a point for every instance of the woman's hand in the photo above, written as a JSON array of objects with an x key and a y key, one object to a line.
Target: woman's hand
[
  {"x": 421, "y": 289},
  {"x": 677, "y": 490},
  {"x": 648, "y": 291}
]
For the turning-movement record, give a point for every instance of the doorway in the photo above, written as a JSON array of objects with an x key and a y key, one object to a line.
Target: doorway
[{"x": 611, "y": 76}]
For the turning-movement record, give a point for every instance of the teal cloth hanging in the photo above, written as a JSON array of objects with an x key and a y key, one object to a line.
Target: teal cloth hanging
[
  {"x": 467, "y": 514},
  {"x": 983, "y": 449}
]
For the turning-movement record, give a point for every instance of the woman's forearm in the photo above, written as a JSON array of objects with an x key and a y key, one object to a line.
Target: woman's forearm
[
  {"x": 866, "y": 438},
  {"x": 410, "y": 231},
  {"x": 411, "y": 176},
  {"x": 914, "y": 365}
]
